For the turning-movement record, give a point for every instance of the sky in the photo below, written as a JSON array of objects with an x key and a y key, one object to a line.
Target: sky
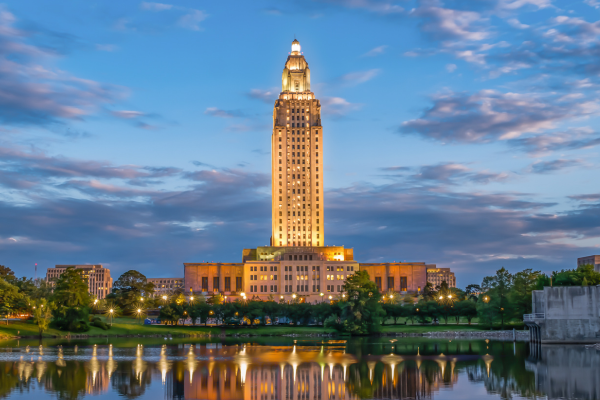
[{"x": 455, "y": 132}]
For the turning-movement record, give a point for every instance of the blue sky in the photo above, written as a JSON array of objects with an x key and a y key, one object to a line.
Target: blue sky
[{"x": 461, "y": 133}]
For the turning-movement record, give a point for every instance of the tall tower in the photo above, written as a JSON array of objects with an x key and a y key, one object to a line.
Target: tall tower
[{"x": 296, "y": 159}]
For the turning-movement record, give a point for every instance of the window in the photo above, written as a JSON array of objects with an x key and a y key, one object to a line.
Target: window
[
  {"x": 403, "y": 283},
  {"x": 227, "y": 284},
  {"x": 205, "y": 283},
  {"x": 378, "y": 282},
  {"x": 390, "y": 282}
]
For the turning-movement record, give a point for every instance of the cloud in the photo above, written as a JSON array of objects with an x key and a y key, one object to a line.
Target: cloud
[
  {"x": 592, "y": 3},
  {"x": 217, "y": 112},
  {"x": 375, "y": 51},
  {"x": 490, "y": 115},
  {"x": 355, "y": 78},
  {"x": 446, "y": 24},
  {"x": 571, "y": 139},
  {"x": 35, "y": 168},
  {"x": 127, "y": 114},
  {"x": 383, "y": 7},
  {"x": 337, "y": 106},
  {"x": 155, "y": 6},
  {"x": 451, "y": 67},
  {"x": 516, "y": 4},
  {"x": 452, "y": 173},
  {"x": 546, "y": 167},
  {"x": 267, "y": 96},
  {"x": 192, "y": 20},
  {"x": 31, "y": 93},
  {"x": 515, "y": 23},
  {"x": 106, "y": 47}
]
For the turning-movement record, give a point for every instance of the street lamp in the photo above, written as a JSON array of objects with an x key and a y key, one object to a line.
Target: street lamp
[
  {"x": 139, "y": 314},
  {"x": 142, "y": 298},
  {"x": 111, "y": 311},
  {"x": 330, "y": 297}
]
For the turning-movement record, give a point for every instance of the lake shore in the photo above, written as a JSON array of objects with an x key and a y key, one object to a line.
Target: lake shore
[{"x": 124, "y": 327}]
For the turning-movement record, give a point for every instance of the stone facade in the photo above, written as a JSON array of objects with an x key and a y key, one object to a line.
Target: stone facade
[
  {"x": 296, "y": 159},
  {"x": 590, "y": 260},
  {"x": 284, "y": 272},
  {"x": 165, "y": 286},
  {"x": 99, "y": 280},
  {"x": 438, "y": 275}
]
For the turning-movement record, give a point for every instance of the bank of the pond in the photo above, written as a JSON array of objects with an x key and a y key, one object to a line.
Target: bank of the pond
[{"x": 123, "y": 327}]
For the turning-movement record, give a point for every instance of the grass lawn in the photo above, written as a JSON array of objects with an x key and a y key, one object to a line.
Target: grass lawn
[{"x": 130, "y": 326}]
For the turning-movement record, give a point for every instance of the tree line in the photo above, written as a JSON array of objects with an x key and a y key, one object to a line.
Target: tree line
[{"x": 361, "y": 308}]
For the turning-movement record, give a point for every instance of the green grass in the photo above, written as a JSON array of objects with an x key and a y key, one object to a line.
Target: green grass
[{"x": 130, "y": 326}]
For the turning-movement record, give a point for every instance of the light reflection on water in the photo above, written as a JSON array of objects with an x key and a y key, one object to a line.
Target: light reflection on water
[{"x": 310, "y": 369}]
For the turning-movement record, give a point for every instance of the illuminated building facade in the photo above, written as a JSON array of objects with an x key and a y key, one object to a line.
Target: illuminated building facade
[
  {"x": 297, "y": 263},
  {"x": 166, "y": 286},
  {"x": 296, "y": 159},
  {"x": 438, "y": 275},
  {"x": 99, "y": 280}
]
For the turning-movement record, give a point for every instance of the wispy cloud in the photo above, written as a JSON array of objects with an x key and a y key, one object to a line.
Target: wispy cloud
[
  {"x": 490, "y": 115},
  {"x": 546, "y": 167},
  {"x": 337, "y": 106},
  {"x": 267, "y": 96},
  {"x": 375, "y": 51},
  {"x": 217, "y": 112},
  {"x": 355, "y": 78}
]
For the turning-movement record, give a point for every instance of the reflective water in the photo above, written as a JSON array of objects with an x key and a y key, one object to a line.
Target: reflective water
[{"x": 304, "y": 368}]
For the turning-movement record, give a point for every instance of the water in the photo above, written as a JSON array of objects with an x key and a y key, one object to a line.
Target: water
[{"x": 300, "y": 368}]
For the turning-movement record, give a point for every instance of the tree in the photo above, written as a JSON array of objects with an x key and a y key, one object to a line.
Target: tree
[
  {"x": 467, "y": 309},
  {"x": 497, "y": 289},
  {"x": 42, "y": 315},
  {"x": 361, "y": 312},
  {"x": 6, "y": 273},
  {"x": 520, "y": 295},
  {"x": 471, "y": 291},
  {"x": 11, "y": 300},
  {"x": 72, "y": 301},
  {"x": 428, "y": 292},
  {"x": 172, "y": 313},
  {"x": 570, "y": 277},
  {"x": 130, "y": 288}
]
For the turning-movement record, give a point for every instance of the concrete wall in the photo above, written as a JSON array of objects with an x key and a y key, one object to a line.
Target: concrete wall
[
  {"x": 566, "y": 372},
  {"x": 571, "y": 313}
]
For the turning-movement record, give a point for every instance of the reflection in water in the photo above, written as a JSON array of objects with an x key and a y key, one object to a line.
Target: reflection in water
[{"x": 305, "y": 371}]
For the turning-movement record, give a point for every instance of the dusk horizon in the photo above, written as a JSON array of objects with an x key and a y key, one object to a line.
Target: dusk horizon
[{"x": 138, "y": 135}]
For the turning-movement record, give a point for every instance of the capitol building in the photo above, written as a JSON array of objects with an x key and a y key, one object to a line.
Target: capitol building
[{"x": 298, "y": 264}]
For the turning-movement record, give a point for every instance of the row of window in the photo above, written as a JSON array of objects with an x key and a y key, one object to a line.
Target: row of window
[
  {"x": 263, "y": 277},
  {"x": 301, "y": 288},
  {"x": 264, "y": 268},
  {"x": 227, "y": 282},
  {"x": 336, "y": 277},
  {"x": 390, "y": 282},
  {"x": 263, "y": 288}
]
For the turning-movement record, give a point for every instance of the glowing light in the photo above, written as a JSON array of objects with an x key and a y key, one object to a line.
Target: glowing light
[
  {"x": 164, "y": 297},
  {"x": 330, "y": 297},
  {"x": 296, "y": 46},
  {"x": 243, "y": 294},
  {"x": 111, "y": 311}
]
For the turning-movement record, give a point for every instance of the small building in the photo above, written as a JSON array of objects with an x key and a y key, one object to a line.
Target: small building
[
  {"x": 590, "y": 260},
  {"x": 436, "y": 276},
  {"x": 565, "y": 314},
  {"x": 99, "y": 280},
  {"x": 166, "y": 286}
]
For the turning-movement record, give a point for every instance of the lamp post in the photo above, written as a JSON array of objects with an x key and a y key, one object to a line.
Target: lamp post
[
  {"x": 321, "y": 297},
  {"x": 111, "y": 311},
  {"x": 165, "y": 299},
  {"x": 139, "y": 314}
]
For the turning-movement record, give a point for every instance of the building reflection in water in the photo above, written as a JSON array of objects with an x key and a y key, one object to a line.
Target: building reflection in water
[{"x": 250, "y": 372}]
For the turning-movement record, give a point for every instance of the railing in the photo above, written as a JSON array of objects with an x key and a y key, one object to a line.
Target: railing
[{"x": 532, "y": 317}]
